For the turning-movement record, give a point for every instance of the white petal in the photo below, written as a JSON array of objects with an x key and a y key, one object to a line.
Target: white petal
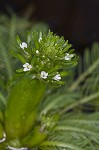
[
  {"x": 26, "y": 64},
  {"x": 23, "y": 45},
  {"x": 26, "y": 69},
  {"x": 3, "y": 139},
  {"x": 44, "y": 74},
  {"x": 67, "y": 58},
  {"x": 29, "y": 66},
  {"x": 57, "y": 77},
  {"x": 67, "y": 54},
  {"x": 40, "y": 39},
  {"x": 37, "y": 52}
]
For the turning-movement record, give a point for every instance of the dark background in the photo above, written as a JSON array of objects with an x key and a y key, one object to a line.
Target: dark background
[{"x": 76, "y": 20}]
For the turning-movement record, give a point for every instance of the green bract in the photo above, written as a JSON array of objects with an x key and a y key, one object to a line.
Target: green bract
[{"x": 46, "y": 57}]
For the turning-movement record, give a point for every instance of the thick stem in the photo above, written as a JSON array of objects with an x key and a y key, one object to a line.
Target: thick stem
[{"x": 22, "y": 106}]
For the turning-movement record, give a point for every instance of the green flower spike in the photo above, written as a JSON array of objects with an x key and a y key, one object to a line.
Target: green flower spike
[{"x": 46, "y": 59}]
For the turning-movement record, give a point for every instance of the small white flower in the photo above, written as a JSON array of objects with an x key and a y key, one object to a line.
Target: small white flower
[
  {"x": 37, "y": 52},
  {"x": 40, "y": 39},
  {"x": 68, "y": 56},
  {"x": 57, "y": 77},
  {"x": 27, "y": 67},
  {"x": 23, "y": 45},
  {"x": 44, "y": 74}
]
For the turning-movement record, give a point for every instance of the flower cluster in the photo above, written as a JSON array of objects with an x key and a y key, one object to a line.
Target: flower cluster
[
  {"x": 48, "y": 122},
  {"x": 46, "y": 57}
]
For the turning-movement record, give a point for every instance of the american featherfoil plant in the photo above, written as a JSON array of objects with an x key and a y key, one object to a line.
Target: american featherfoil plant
[{"x": 49, "y": 97}]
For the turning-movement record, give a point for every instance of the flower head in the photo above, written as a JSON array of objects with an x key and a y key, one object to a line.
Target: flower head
[
  {"x": 44, "y": 74},
  {"x": 23, "y": 45},
  {"x": 27, "y": 67},
  {"x": 50, "y": 55},
  {"x": 57, "y": 77}
]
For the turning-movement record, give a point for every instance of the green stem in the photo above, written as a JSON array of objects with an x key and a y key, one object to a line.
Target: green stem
[
  {"x": 83, "y": 76},
  {"x": 1, "y": 131},
  {"x": 22, "y": 106},
  {"x": 34, "y": 138},
  {"x": 82, "y": 101}
]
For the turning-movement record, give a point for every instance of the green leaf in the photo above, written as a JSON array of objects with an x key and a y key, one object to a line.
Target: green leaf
[
  {"x": 1, "y": 131},
  {"x": 19, "y": 70},
  {"x": 18, "y": 40},
  {"x": 60, "y": 144},
  {"x": 21, "y": 58}
]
